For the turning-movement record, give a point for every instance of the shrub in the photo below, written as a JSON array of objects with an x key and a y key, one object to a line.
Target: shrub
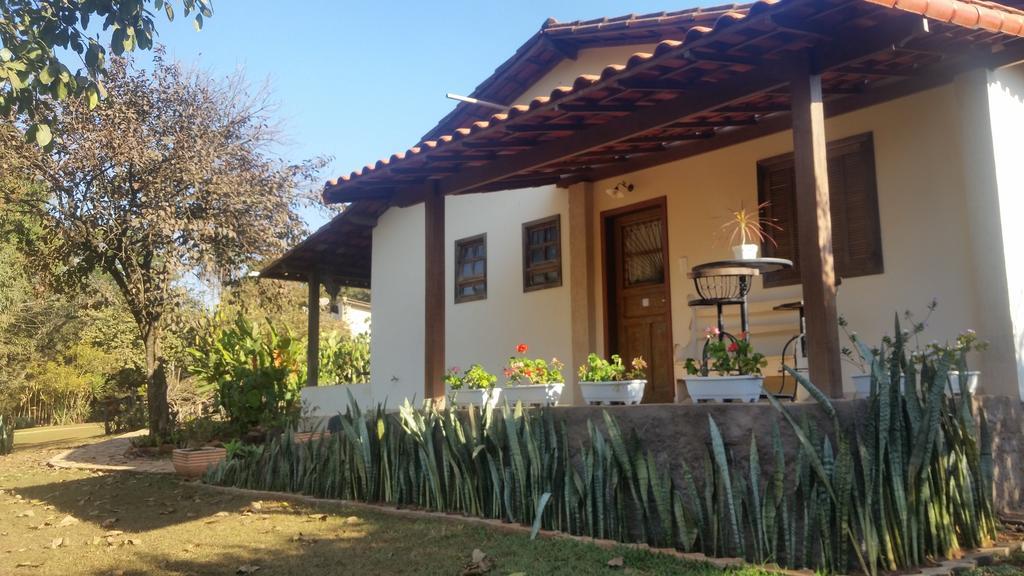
[
  {"x": 254, "y": 372},
  {"x": 344, "y": 359}
]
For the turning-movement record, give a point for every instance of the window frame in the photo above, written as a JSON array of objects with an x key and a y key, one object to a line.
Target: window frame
[
  {"x": 844, "y": 267},
  {"x": 548, "y": 265},
  {"x": 461, "y": 281}
]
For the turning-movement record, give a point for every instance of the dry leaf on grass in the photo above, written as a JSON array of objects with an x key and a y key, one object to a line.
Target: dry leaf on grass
[
  {"x": 320, "y": 517},
  {"x": 28, "y": 564},
  {"x": 481, "y": 564},
  {"x": 56, "y": 543},
  {"x": 26, "y": 514},
  {"x": 617, "y": 562},
  {"x": 352, "y": 520},
  {"x": 221, "y": 514},
  {"x": 247, "y": 569}
]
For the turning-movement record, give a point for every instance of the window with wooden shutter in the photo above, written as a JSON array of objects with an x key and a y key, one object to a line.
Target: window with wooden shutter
[
  {"x": 471, "y": 269},
  {"x": 853, "y": 196},
  {"x": 542, "y": 254}
]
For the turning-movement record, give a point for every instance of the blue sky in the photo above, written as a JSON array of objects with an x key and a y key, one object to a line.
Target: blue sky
[{"x": 359, "y": 80}]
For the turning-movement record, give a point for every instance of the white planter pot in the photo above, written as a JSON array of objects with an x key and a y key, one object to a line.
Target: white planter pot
[
  {"x": 533, "y": 394},
  {"x": 719, "y": 388},
  {"x": 745, "y": 251},
  {"x": 622, "y": 392},
  {"x": 478, "y": 397},
  {"x": 954, "y": 381},
  {"x": 862, "y": 385}
]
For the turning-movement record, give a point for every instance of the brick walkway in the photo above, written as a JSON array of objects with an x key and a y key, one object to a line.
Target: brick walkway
[{"x": 110, "y": 455}]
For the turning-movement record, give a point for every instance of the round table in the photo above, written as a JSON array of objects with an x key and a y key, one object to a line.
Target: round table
[{"x": 727, "y": 282}]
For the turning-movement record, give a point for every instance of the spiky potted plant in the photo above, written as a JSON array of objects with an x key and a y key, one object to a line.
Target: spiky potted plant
[
  {"x": 474, "y": 387},
  {"x": 751, "y": 229},
  {"x": 533, "y": 382},
  {"x": 730, "y": 369},
  {"x": 612, "y": 382},
  {"x": 967, "y": 341}
]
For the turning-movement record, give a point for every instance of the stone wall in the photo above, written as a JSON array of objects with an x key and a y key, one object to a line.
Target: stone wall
[
  {"x": 680, "y": 433},
  {"x": 1005, "y": 417}
]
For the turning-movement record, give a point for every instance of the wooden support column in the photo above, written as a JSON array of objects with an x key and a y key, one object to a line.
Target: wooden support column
[
  {"x": 433, "y": 382},
  {"x": 313, "y": 330},
  {"x": 581, "y": 282},
  {"x": 814, "y": 231}
]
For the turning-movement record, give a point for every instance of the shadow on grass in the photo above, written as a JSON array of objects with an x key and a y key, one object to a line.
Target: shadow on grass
[
  {"x": 185, "y": 528},
  {"x": 139, "y": 502}
]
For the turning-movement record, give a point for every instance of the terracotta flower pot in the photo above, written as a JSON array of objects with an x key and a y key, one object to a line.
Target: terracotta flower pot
[
  {"x": 193, "y": 462},
  {"x": 303, "y": 437}
]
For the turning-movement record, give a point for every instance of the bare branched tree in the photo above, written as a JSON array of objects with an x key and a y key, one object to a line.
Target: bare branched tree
[{"x": 171, "y": 175}]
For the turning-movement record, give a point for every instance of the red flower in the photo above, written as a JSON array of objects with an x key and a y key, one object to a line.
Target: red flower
[
  {"x": 734, "y": 347},
  {"x": 522, "y": 348}
]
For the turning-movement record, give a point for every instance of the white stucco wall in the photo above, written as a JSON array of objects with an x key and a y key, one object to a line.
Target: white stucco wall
[
  {"x": 356, "y": 316},
  {"x": 397, "y": 277},
  {"x": 483, "y": 331},
  {"x": 487, "y": 331},
  {"x": 1006, "y": 105}
]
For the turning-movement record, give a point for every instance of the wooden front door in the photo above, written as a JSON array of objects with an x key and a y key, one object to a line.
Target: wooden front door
[{"x": 637, "y": 291}]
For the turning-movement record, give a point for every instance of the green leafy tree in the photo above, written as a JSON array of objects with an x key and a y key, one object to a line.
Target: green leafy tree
[
  {"x": 31, "y": 31},
  {"x": 170, "y": 176}
]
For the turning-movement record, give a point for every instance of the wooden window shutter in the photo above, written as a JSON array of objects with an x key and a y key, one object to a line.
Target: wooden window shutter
[
  {"x": 777, "y": 186},
  {"x": 853, "y": 192}
]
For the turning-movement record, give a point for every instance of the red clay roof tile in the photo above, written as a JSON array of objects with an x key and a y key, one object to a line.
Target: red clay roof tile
[{"x": 989, "y": 16}]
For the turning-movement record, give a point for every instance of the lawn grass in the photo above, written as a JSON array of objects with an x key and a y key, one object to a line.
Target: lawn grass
[
  {"x": 48, "y": 435},
  {"x": 171, "y": 527}
]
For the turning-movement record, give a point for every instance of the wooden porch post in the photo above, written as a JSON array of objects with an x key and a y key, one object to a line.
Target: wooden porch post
[
  {"x": 814, "y": 231},
  {"x": 313, "y": 330},
  {"x": 433, "y": 345}
]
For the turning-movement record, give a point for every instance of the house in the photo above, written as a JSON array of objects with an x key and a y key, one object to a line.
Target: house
[
  {"x": 884, "y": 133},
  {"x": 356, "y": 316}
]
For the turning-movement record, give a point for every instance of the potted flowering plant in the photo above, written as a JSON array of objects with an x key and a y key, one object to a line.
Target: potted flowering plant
[
  {"x": 612, "y": 382},
  {"x": 474, "y": 387},
  {"x": 534, "y": 382},
  {"x": 736, "y": 367}
]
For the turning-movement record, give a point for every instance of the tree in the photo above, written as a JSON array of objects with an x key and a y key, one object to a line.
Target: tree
[
  {"x": 30, "y": 69},
  {"x": 170, "y": 176}
]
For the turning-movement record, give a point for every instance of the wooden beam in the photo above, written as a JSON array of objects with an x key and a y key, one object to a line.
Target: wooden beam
[
  {"x": 650, "y": 118},
  {"x": 541, "y": 128},
  {"x": 566, "y": 49},
  {"x": 596, "y": 108},
  {"x": 313, "y": 329},
  {"x": 660, "y": 85},
  {"x": 802, "y": 27},
  {"x": 720, "y": 58},
  {"x": 672, "y": 138},
  {"x": 434, "y": 296},
  {"x": 714, "y": 123},
  {"x": 814, "y": 232}
]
